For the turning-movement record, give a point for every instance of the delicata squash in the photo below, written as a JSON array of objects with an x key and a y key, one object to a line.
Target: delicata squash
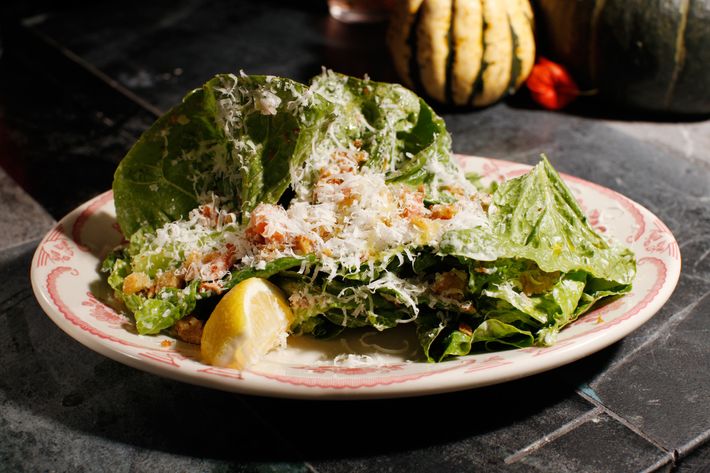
[{"x": 463, "y": 52}]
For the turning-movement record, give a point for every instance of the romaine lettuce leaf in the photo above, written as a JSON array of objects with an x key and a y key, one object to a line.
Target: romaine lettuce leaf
[
  {"x": 345, "y": 303},
  {"x": 552, "y": 309},
  {"x": 270, "y": 269},
  {"x": 444, "y": 334},
  {"x": 167, "y": 307},
  {"x": 537, "y": 267},
  {"x": 535, "y": 217},
  {"x": 494, "y": 334},
  {"x": 220, "y": 140},
  {"x": 403, "y": 136},
  {"x": 240, "y": 138}
]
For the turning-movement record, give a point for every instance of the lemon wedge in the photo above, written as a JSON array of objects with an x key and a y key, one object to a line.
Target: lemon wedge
[{"x": 249, "y": 321}]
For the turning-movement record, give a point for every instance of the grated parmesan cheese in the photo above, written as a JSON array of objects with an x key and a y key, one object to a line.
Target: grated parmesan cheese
[{"x": 343, "y": 212}]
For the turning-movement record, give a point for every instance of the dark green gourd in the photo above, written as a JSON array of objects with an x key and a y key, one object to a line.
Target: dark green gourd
[{"x": 649, "y": 55}]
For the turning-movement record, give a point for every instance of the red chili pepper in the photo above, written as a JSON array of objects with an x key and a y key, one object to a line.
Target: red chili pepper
[{"x": 551, "y": 85}]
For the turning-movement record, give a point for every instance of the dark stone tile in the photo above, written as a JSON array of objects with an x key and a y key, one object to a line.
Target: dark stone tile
[
  {"x": 566, "y": 437},
  {"x": 689, "y": 139},
  {"x": 21, "y": 218},
  {"x": 62, "y": 135},
  {"x": 662, "y": 386},
  {"x": 451, "y": 432},
  {"x": 66, "y": 408},
  {"x": 163, "y": 49},
  {"x": 598, "y": 445}
]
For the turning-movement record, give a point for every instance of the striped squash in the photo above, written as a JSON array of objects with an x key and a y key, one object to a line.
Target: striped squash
[
  {"x": 650, "y": 55},
  {"x": 462, "y": 52}
]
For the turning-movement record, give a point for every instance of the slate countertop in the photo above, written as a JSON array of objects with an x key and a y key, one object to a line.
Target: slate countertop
[{"x": 78, "y": 85}]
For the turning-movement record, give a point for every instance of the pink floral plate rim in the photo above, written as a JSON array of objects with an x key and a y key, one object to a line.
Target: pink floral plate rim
[{"x": 68, "y": 286}]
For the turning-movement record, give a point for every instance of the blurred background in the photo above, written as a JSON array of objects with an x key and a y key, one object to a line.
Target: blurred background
[{"x": 78, "y": 82}]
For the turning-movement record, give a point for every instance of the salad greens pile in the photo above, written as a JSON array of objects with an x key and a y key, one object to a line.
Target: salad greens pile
[{"x": 509, "y": 268}]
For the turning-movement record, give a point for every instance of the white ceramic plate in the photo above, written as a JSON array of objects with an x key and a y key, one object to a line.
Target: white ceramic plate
[{"x": 68, "y": 285}]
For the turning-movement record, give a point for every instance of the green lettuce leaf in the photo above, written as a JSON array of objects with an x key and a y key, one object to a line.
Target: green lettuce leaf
[
  {"x": 169, "y": 306},
  {"x": 552, "y": 309},
  {"x": 270, "y": 269},
  {"x": 241, "y": 137},
  {"x": 535, "y": 217},
  {"x": 538, "y": 266},
  {"x": 221, "y": 140},
  {"x": 403, "y": 136},
  {"x": 494, "y": 334},
  {"x": 117, "y": 267}
]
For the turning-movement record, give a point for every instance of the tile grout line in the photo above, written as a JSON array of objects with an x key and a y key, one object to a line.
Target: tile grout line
[
  {"x": 644, "y": 435},
  {"x": 698, "y": 442},
  {"x": 555, "y": 434},
  {"x": 79, "y": 61},
  {"x": 657, "y": 466}
]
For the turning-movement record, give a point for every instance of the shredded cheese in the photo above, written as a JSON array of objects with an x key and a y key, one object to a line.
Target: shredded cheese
[{"x": 343, "y": 212}]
